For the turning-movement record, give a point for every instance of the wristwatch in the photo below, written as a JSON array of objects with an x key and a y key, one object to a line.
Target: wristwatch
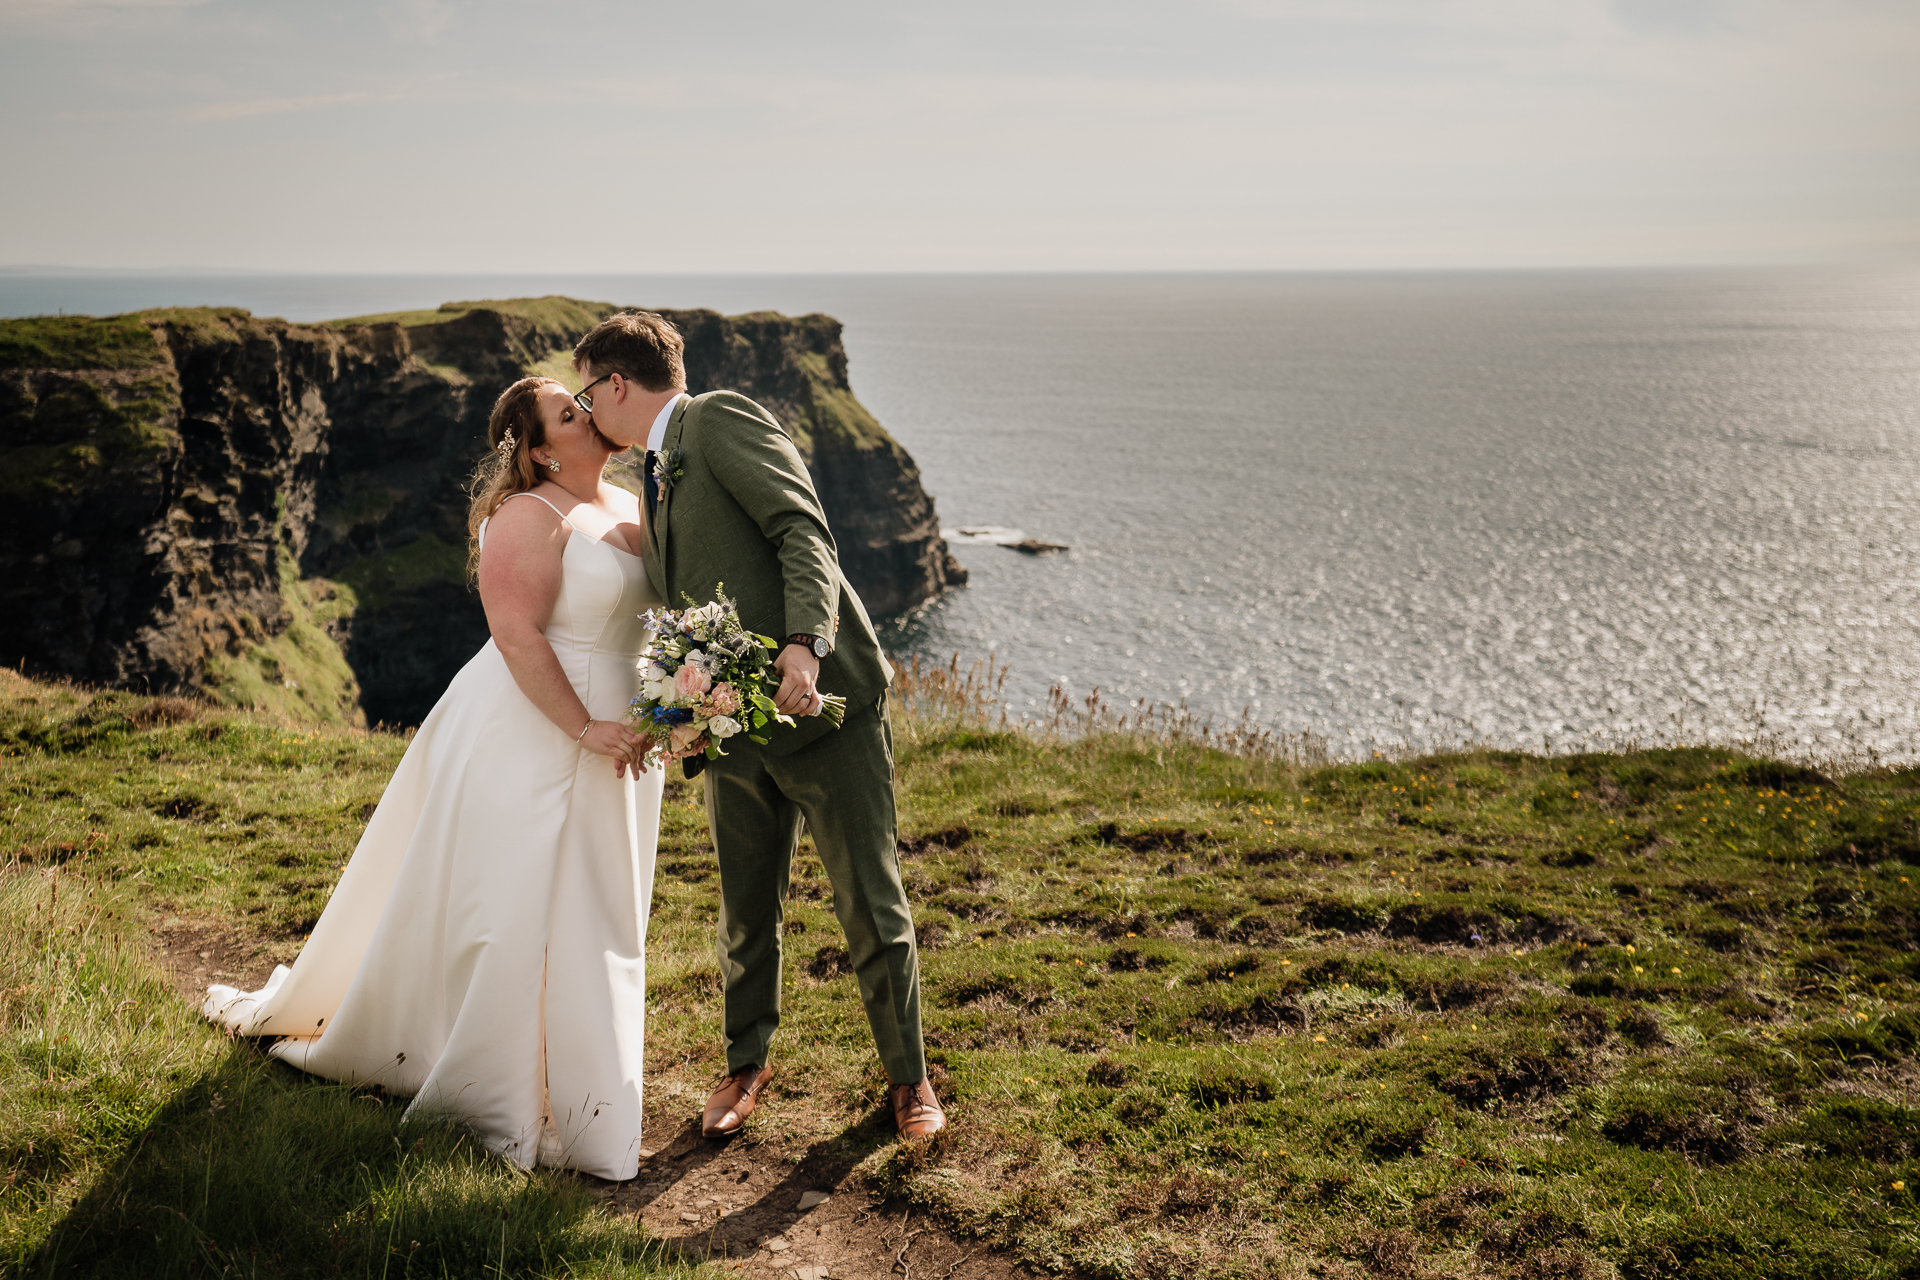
[{"x": 818, "y": 645}]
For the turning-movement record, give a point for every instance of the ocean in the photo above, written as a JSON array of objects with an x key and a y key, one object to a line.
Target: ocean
[{"x": 1531, "y": 509}]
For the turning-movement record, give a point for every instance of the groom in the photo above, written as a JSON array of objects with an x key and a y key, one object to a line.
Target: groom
[{"x": 730, "y": 502}]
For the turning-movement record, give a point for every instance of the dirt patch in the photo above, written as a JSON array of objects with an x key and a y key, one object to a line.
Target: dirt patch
[
  {"x": 197, "y": 953},
  {"x": 936, "y": 842},
  {"x": 766, "y": 1204},
  {"x": 1150, "y": 840}
]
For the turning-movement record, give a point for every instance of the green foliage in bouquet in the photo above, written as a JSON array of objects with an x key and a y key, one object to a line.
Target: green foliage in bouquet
[{"x": 706, "y": 678}]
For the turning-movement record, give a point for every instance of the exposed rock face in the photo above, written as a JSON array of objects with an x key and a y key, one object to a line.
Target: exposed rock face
[{"x": 195, "y": 496}]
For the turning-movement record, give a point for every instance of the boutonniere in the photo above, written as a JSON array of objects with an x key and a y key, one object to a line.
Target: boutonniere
[{"x": 666, "y": 470}]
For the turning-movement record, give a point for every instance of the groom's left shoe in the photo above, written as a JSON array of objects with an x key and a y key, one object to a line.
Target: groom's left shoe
[{"x": 916, "y": 1110}]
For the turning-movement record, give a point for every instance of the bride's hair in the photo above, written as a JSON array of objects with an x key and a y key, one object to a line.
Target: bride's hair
[{"x": 507, "y": 471}]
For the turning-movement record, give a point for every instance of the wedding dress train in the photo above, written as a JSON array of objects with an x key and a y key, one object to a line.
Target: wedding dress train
[{"x": 484, "y": 951}]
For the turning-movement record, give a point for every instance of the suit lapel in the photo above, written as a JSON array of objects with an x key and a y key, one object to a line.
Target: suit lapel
[{"x": 663, "y": 513}]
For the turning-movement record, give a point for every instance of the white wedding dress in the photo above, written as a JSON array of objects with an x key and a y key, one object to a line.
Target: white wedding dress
[{"x": 484, "y": 951}]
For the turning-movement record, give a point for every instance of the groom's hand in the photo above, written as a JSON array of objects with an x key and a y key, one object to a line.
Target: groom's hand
[{"x": 799, "y": 670}]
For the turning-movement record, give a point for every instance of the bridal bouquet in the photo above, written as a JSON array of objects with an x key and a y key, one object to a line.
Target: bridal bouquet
[{"x": 705, "y": 678}]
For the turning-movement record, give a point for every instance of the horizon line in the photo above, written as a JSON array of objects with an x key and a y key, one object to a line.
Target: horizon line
[{"x": 55, "y": 270}]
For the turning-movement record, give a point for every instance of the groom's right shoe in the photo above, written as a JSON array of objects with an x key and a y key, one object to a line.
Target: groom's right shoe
[{"x": 731, "y": 1103}]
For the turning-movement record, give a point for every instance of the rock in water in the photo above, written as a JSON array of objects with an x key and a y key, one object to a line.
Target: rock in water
[{"x": 276, "y": 513}]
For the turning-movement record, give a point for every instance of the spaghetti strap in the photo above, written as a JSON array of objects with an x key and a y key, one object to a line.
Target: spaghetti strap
[{"x": 537, "y": 498}]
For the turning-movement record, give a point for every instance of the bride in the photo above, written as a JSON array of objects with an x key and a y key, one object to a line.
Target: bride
[{"x": 484, "y": 950}]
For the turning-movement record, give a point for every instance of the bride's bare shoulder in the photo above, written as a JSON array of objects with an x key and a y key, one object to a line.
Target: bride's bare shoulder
[{"x": 524, "y": 517}]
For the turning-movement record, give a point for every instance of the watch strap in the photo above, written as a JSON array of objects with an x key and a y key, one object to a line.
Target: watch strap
[{"x": 812, "y": 642}]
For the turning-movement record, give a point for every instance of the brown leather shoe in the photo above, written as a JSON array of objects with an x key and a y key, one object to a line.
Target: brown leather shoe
[
  {"x": 916, "y": 1110},
  {"x": 731, "y": 1103}
]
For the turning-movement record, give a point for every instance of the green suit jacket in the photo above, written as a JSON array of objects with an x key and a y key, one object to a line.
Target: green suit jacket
[{"x": 738, "y": 510}]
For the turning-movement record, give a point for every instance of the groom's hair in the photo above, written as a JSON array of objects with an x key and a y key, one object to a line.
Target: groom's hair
[{"x": 639, "y": 345}]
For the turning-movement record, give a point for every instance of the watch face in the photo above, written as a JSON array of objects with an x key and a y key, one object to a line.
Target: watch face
[{"x": 820, "y": 647}]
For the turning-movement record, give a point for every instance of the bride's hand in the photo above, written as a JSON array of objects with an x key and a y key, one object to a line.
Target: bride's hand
[{"x": 612, "y": 739}]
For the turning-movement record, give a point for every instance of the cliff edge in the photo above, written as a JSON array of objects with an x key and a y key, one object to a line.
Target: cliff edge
[{"x": 275, "y": 513}]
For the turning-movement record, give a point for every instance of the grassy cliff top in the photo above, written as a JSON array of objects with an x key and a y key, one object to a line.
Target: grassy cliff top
[
  {"x": 72, "y": 343},
  {"x": 1651, "y": 1014},
  {"x": 559, "y": 315}
]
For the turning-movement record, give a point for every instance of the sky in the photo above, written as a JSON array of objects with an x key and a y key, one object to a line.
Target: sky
[{"x": 990, "y": 135}]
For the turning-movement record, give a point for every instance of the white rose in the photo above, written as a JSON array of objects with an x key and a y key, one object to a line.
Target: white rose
[
  {"x": 723, "y": 726},
  {"x": 654, "y": 671}
]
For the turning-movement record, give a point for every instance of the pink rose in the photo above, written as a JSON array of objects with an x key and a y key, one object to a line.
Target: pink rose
[
  {"x": 690, "y": 682},
  {"x": 684, "y": 736}
]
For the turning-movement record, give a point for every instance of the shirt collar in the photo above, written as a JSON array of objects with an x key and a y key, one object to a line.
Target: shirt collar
[{"x": 657, "y": 434}]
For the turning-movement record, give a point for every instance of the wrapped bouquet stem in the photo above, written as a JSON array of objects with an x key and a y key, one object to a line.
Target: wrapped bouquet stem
[{"x": 706, "y": 678}]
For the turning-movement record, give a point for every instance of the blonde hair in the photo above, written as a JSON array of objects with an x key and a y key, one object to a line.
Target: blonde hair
[{"x": 510, "y": 470}]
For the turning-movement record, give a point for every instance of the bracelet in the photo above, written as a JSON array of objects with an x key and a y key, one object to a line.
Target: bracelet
[{"x": 582, "y": 735}]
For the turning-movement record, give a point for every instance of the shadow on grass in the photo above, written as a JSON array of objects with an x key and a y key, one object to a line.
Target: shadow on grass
[{"x": 257, "y": 1170}]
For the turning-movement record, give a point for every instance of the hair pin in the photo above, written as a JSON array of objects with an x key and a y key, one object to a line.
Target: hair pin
[{"x": 505, "y": 447}]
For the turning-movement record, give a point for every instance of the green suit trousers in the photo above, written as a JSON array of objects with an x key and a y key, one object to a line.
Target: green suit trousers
[{"x": 841, "y": 786}]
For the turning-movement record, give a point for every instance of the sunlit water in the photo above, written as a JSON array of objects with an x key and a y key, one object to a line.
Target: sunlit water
[{"x": 1526, "y": 507}]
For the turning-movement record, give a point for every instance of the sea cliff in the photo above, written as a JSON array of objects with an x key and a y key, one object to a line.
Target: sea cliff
[{"x": 274, "y": 513}]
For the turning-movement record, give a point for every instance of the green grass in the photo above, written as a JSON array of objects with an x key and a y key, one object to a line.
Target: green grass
[
  {"x": 834, "y": 414},
  {"x": 72, "y": 343},
  {"x": 137, "y": 1141},
  {"x": 1194, "y": 1013},
  {"x": 76, "y": 431},
  {"x": 140, "y": 1143},
  {"x": 298, "y": 675},
  {"x": 374, "y": 580},
  {"x": 559, "y": 318}
]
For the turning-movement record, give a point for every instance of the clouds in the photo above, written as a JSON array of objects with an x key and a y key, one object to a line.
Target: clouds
[{"x": 760, "y": 136}]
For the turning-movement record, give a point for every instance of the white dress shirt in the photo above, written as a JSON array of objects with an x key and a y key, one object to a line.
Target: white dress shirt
[{"x": 657, "y": 434}]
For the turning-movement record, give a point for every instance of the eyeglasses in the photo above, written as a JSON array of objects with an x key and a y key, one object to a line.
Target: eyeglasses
[{"x": 584, "y": 400}]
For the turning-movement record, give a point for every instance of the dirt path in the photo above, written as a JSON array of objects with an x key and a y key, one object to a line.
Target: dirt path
[
  {"x": 770, "y": 1203},
  {"x": 772, "y": 1207}
]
